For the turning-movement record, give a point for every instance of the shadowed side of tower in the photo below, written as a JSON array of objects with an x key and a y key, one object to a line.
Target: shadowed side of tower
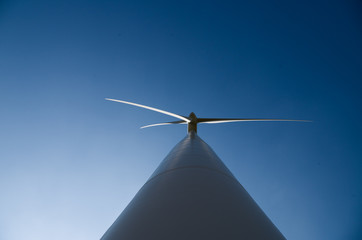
[{"x": 192, "y": 195}]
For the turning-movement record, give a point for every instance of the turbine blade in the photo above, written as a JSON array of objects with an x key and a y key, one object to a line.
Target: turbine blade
[
  {"x": 151, "y": 108},
  {"x": 227, "y": 120},
  {"x": 166, "y": 123}
]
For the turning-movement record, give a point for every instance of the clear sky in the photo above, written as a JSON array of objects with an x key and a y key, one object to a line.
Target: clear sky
[{"x": 70, "y": 161}]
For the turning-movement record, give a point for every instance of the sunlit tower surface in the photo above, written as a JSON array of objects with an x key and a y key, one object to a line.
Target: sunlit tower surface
[{"x": 192, "y": 195}]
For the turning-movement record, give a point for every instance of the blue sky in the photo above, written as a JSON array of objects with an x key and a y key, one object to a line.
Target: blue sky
[{"x": 71, "y": 161}]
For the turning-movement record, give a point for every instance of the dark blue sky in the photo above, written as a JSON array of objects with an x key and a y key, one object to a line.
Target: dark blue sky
[{"x": 71, "y": 161}]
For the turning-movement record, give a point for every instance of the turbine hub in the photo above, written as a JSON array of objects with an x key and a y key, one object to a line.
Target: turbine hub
[{"x": 192, "y": 125}]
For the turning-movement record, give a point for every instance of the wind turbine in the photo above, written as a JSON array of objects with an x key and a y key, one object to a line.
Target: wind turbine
[{"x": 192, "y": 195}]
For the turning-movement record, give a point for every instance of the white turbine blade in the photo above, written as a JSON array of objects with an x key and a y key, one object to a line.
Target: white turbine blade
[
  {"x": 160, "y": 124},
  {"x": 150, "y": 108},
  {"x": 251, "y": 120}
]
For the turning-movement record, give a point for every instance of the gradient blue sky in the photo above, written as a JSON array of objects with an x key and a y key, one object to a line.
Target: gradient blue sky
[{"x": 71, "y": 161}]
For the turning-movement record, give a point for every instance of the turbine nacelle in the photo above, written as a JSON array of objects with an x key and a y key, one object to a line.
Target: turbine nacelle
[
  {"x": 192, "y": 125},
  {"x": 192, "y": 120}
]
